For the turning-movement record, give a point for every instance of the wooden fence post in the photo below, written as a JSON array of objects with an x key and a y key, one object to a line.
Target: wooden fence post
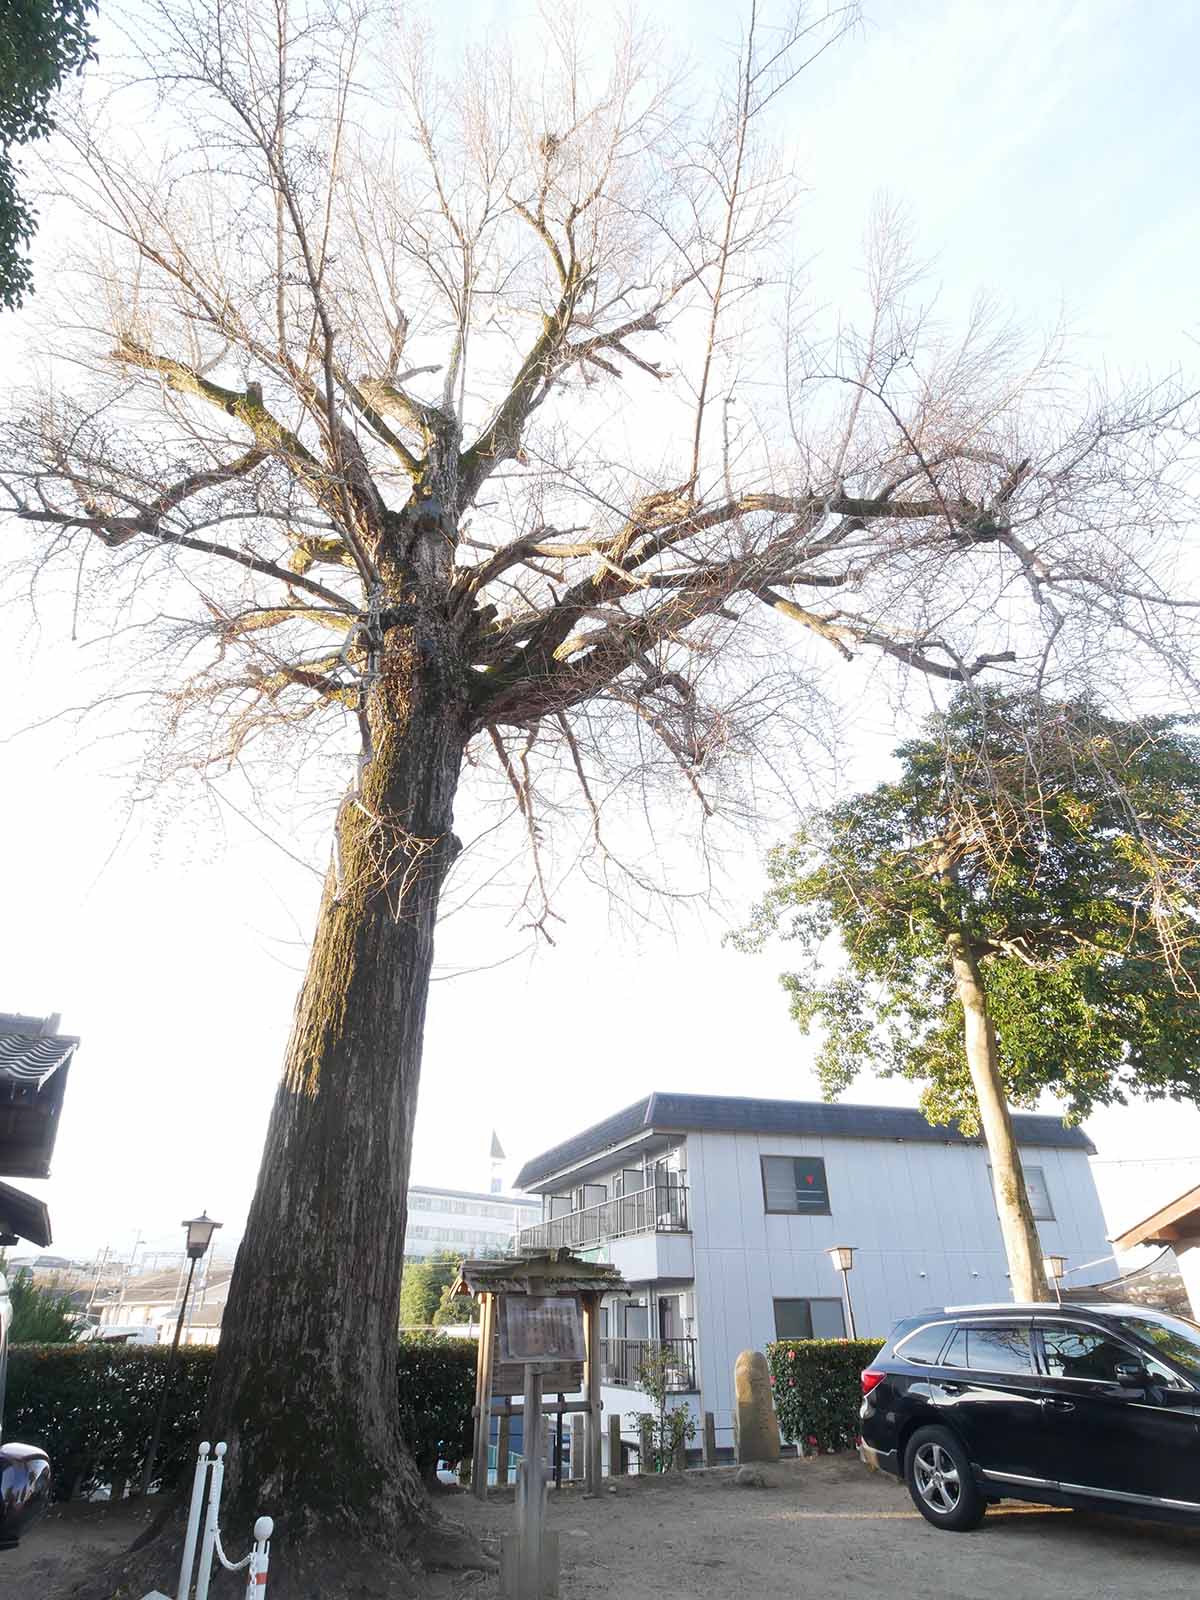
[
  {"x": 483, "y": 1396},
  {"x": 578, "y": 1432},
  {"x": 591, "y": 1335},
  {"x": 614, "y": 1444},
  {"x": 710, "y": 1439},
  {"x": 645, "y": 1443}
]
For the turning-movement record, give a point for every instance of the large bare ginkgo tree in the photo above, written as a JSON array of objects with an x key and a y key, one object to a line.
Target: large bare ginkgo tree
[{"x": 471, "y": 409}]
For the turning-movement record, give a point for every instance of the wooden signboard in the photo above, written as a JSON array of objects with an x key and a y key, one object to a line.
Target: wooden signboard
[
  {"x": 542, "y": 1327},
  {"x": 541, "y": 1330}
]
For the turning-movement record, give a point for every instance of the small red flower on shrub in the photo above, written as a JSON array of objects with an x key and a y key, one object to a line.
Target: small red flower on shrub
[{"x": 791, "y": 1355}]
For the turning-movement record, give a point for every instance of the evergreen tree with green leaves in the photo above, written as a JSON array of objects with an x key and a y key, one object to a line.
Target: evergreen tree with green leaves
[
  {"x": 41, "y": 43},
  {"x": 423, "y": 1286},
  {"x": 39, "y": 1315},
  {"x": 1016, "y": 913}
]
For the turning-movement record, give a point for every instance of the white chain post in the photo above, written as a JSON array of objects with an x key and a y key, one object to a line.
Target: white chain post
[
  {"x": 193, "y": 1523},
  {"x": 256, "y": 1583},
  {"x": 204, "y": 1575}
]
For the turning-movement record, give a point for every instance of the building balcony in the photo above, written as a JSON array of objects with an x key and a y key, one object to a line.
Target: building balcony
[
  {"x": 621, "y": 1361},
  {"x": 661, "y": 1208}
]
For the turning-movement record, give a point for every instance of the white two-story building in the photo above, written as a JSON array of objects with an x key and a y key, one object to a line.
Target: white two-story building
[{"x": 720, "y": 1213}]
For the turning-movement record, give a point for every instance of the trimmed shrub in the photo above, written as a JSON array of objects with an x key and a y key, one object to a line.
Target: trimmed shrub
[
  {"x": 91, "y": 1406},
  {"x": 817, "y": 1390},
  {"x": 436, "y": 1392}
]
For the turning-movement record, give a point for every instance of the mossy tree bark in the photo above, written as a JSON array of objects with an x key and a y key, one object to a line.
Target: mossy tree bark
[
  {"x": 305, "y": 1382},
  {"x": 1017, "y": 1226}
]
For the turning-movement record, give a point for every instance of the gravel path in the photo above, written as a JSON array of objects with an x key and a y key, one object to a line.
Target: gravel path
[
  {"x": 823, "y": 1528},
  {"x": 827, "y": 1528}
]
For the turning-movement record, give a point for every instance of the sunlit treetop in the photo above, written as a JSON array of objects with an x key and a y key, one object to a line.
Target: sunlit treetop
[{"x": 1065, "y": 845}]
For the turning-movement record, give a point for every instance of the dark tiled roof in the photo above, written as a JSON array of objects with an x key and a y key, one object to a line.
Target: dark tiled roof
[
  {"x": 34, "y": 1063},
  {"x": 704, "y": 1113},
  {"x": 31, "y": 1060},
  {"x": 24, "y": 1215}
]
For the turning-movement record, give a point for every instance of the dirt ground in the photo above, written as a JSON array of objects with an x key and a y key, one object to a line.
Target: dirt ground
[
  {"x": 69, "y": 1542},
  {"x": 823, "y": 1528}
]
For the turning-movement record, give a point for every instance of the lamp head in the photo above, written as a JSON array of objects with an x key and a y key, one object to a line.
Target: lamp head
[{"x": 199, "y": 1234}]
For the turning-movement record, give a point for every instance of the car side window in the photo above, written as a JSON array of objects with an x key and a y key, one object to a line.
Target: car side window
[
  {"x": 1085, "y": 1353},
  {"x": 923, "y": 1346},
  {"x": 1004, "y": 1348},
  {"x": 1160, "y": 1374},
  {"x": 956, "y": 1354}
]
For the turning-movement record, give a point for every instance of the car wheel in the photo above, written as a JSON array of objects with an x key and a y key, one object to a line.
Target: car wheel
[{"x": 940, "y": 1481}]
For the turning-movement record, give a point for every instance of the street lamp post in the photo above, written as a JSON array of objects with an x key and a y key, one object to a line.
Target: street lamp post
[
  {"x": 199, "y": 1236},
  {"x": 1055, "y": 1268},
  {"x": 842, "y": 1256}
]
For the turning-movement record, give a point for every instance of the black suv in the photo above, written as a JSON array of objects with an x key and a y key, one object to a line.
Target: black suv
[{"x": 1096, "y": 1406}]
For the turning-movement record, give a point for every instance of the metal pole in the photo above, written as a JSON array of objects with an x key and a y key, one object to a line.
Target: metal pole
[
  {"x": 156, "y": 1438},
  {"x": 849, "y": 1305},
  {"x": 100, "y": 1266}
]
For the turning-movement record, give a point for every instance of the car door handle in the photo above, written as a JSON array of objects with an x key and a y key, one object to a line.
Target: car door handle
[
  {"x": 951, "y": 1388},
  {"x": 1056, "y": 1405}
]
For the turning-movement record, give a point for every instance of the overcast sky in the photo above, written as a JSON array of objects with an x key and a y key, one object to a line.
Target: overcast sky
[{"x": 1045, "y": 153}]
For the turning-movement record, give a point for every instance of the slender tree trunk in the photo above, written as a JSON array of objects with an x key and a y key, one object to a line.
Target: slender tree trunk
[
  {"x": 304, "y": 1388},
  {"x": 1019, "y": 1230}
]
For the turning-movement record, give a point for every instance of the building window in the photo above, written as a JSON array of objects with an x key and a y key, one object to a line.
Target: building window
[
  {"x": 1037, "y": 1190},
  {"x": 795, "y": 1184},
  {"x": 809, "y": 1319}
]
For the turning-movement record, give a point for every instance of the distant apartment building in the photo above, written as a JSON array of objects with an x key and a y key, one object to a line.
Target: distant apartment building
[{"x": 465, "y": 1221}]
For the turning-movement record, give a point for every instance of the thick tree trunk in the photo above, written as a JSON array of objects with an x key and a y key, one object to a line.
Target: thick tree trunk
[
  {"x": 304, "y": 1388},
  {"x": 1017, "y": 1227}
]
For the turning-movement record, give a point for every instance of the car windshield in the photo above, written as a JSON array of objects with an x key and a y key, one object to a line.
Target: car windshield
[{"x": 1171, "y": 1336}]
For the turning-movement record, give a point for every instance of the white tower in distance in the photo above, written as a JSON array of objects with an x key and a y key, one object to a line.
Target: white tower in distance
[{"x": 498, "y": 1158}]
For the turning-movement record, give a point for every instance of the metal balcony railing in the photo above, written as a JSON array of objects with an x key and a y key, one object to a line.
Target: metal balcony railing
[
  {"x": 662, "y": 1208},
  {"x": 621, "y": 1360}
]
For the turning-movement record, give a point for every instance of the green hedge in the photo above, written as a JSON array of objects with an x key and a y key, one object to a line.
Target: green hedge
[
  {"x": 92, "y": 1406},
  {"x": 436, "y": 1394},
  {"x": 817, "y": 1389}
]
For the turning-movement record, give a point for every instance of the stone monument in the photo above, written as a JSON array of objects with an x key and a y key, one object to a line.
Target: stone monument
[{"x": 755, "y": 1429}]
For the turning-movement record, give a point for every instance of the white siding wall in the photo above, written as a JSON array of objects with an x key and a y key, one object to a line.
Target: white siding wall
[{"x": 921, "y": 1217}]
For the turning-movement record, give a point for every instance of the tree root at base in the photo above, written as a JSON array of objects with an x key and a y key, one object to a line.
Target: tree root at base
[{"x": 320, "y": 1566}]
